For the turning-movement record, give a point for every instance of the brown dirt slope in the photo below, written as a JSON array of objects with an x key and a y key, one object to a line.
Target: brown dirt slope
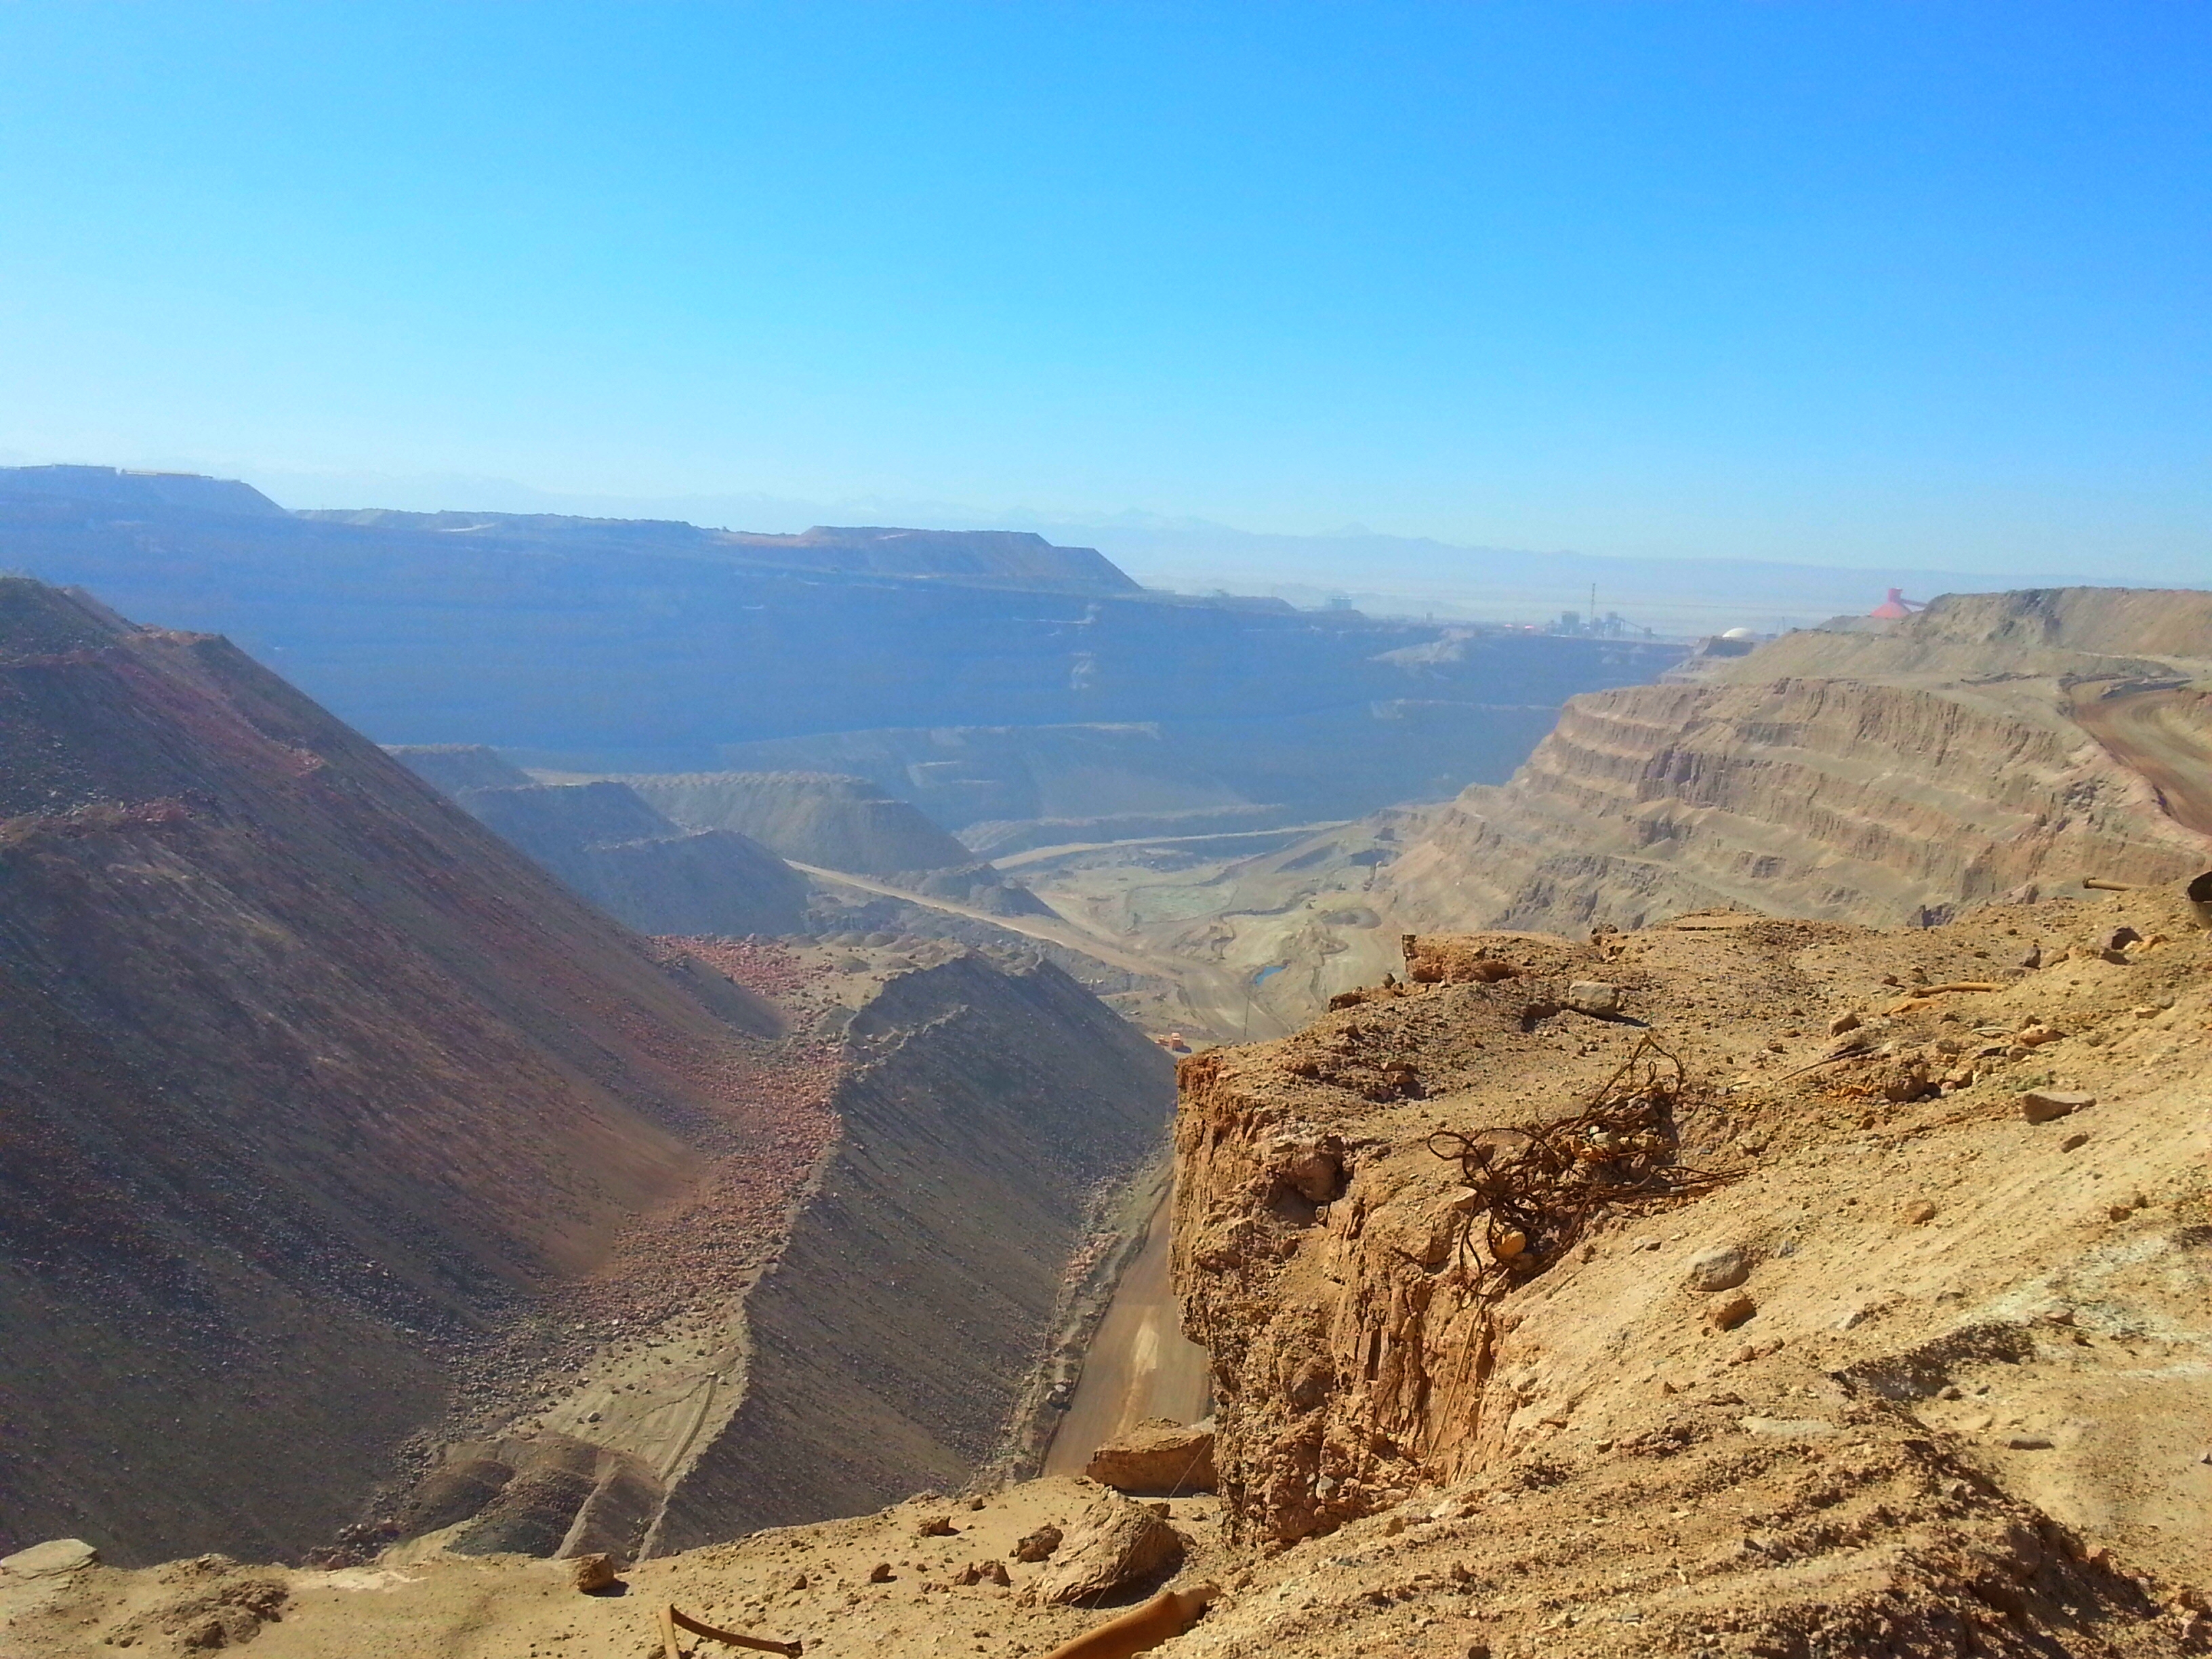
[
  {"x": 1957, "y": 1405},
  {"x": 311, "y": 1088},
  {"x": 1883, "y": 777}
]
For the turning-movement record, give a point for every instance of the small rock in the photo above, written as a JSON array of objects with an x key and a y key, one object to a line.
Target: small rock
[
  {"x": 2034, "y": 958},
  {"x": 1728, "y": 1315},
  {"x": 2117, "y": 1212},
  {"x": 1039, "y": 1544},
  {"x": 1594, "y": 998},
  {"x": 970, "y": 1574},
  {"x": 2073, "y": 1142},
  {"x": 2028, "y": 1442},
  {"x": 1787, "y": 1428},
  {"x": 995, "y": 1570},
  {"x": 1842, "y": 1022},
  {"x": 1919, "y": 1212},
  {"x": 1717, "y": 1268},
  {"x": 591, "y": 1573},
  {"x": 975, "y": 1502},
  {"x": 935, "y": 1526},
  {"x": 55, "y": 1555},
  {"x": 880, "y": 1573},
  {"x": 2120, "y": 938},
  {"x": 1904, "y": 1080},
  {"x": 2044, "y": 1105}
]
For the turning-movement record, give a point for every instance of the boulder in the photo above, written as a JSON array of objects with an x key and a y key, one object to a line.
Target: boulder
[
  {"x": 1159, "y": 1455},
  {"x": 1116, "y": 1542},
  {"x": 591, "y": 1573},
  {"x": 55, "y": 1555},
  {"x": 1728, "y": 1315}
]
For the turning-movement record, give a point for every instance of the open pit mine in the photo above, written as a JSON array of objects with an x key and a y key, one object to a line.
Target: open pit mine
[{"x": 1738, "y": 1187}]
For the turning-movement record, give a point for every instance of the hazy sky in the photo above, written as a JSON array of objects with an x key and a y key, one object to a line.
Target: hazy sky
[{"x": 1850, "y": 282}]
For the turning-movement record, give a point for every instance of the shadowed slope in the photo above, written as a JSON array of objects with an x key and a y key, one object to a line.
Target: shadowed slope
[{"x": 308, "y": 1084}]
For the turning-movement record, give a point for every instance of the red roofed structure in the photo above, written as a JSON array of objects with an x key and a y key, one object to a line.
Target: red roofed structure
[{"x": 1895, "y": 606}]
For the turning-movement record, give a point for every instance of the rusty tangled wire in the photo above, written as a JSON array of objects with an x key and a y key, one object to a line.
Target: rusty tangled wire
[{"x": 1538, "y": 1184}]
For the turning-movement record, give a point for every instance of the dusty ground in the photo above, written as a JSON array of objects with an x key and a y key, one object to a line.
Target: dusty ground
[
  {"x": 461, "y": 1608},
  {"x": 1973, "y": 1343}
]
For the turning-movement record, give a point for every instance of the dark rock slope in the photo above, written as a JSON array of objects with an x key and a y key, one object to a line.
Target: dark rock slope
[
  {"x": 893, "y": 1341},
  {"x": 310, "y": 1086}
]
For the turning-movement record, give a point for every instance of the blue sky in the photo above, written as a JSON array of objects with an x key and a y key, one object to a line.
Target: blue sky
[{"x": 1864, "y": 283}]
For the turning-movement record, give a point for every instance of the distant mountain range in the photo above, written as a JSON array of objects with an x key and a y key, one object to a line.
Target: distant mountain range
[
  {"x": 597, "y": 645},
  {"x": 1384, "y": 574}
]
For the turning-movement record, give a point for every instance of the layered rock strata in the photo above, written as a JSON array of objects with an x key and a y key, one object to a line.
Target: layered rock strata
[{"x": 1884, "y": 777}]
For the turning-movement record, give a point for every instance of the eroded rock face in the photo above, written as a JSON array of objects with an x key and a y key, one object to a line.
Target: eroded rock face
[
  {"x": 1406, "y": 1341},
  {"x": 1653, "y": 799}
]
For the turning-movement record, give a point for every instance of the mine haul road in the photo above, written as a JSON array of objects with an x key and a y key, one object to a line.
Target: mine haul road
[{"x": 1215, "y": 998}]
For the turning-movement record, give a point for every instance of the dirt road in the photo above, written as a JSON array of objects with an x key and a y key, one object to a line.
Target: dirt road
[
  {"x": 1215, "y": 997},
  {"x": 1140, "y": 1365},
  {"x": 2166, "y": 738}
]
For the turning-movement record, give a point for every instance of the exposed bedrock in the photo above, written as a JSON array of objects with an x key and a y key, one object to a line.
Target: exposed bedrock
[
  {"x": 1888, "y": 778},
  {"x": 1386, "y": 1323}
]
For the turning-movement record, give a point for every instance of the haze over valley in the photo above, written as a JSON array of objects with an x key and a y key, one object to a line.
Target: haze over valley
[{"x": 878, "y": 833}]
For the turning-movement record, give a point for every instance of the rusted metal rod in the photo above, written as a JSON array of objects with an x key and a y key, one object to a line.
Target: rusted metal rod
[{"x": 673, "y": 1620}]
